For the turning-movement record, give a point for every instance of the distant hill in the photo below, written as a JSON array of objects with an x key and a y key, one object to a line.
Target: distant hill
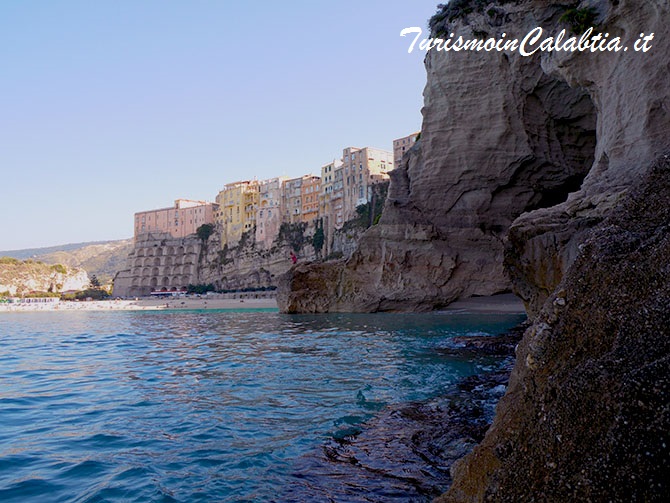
[
  {"x": 21, "y": 277},
  {"x": 101, "y": 258}
]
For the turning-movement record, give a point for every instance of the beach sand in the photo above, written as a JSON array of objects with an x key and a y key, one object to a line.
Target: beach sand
[
  {"x": 144, "y": 305},
  {"x": 500, "y": 304},
  {"x": 506, "y": 303}
]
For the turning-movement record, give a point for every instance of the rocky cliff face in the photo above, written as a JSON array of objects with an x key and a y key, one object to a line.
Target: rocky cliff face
[
  {"x": 246, "y": 266},
  {"x": 585, "y": 416},
  {"x": 161, "y": 262},
  {"x": 500, "y": 166},
  {"x": 500, "y": 137},
  {"x": 22, "y": 277},
  {"x": 631, "y": 96}
]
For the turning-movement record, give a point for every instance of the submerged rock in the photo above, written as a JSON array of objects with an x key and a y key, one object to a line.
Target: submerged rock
[{"x": 405, "y": 453}]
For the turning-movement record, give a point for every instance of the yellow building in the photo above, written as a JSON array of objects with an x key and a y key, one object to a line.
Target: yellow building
[{"x": 238, "y": 203}]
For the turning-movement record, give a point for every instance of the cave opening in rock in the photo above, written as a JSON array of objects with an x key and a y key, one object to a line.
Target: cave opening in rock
[
  {"x": 560, "y": 123},
  {"x": 558, "y": 130},
  {"x": 559, "y": 194}
]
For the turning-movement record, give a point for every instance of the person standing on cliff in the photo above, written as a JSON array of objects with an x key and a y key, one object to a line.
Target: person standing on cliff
[{"x": 294, "y": 259}]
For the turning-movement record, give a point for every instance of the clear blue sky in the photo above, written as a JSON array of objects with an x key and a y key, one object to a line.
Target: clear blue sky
[{"x": 110, "y": 107}]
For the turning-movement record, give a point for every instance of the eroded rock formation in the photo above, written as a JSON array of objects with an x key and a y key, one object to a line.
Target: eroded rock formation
[
  {"x": 23, "y": 277},
  {"x": 500, "y": 137},
  {"x": 585, "y": 416},
  {"x": 631, "y": 96},
  {"x": 160, "y": 262}
]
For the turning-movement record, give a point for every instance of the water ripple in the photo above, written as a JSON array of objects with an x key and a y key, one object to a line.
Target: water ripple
[{"x": 215, "y": 406}]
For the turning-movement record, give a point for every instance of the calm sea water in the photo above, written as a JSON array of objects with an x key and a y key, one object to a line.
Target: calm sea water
[{"x": 202, "y": 406}]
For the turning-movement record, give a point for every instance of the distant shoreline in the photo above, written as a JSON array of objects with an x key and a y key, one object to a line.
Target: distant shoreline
[
  {"x": 496, "y": 304},
  {"x": 143, "y": 305}
]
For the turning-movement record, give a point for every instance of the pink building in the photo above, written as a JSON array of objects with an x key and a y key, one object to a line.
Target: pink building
[
  {"x": 402, "y": 145},
  {"x": 362, "y": 168},
  {"x": 292, "y": 201},
  {"x": 269, "y": 213},
  {"x": 179, "y": 221}
]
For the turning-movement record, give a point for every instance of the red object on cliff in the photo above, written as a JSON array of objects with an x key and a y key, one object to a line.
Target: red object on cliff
[{"x": 294, "y": 259}]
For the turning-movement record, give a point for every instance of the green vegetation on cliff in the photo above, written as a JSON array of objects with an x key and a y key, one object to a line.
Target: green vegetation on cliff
[
  {"x": 293, "y": 234},
  {"x": 319, "y": 238},
  {"x": 580, "y": 20},
  {"x": 205, "y": 231}
]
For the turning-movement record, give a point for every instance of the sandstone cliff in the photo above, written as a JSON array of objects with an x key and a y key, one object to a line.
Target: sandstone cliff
[
  {"x": 22, "y": 277},
  {"x": 631, "y": 96},
  {"x": 161, "y": 262},
  {"x": 507, "y": 164},
  {"x": 500, "y": 137},
  {"x": 158, "y": 261},
  {"x": 247, "y": 266},
  {"x": 504, "y": 135},
  {"x": 585, "y": 416}
]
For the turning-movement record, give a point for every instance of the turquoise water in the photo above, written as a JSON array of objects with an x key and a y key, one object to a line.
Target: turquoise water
[{"x": 202, "y": 406}]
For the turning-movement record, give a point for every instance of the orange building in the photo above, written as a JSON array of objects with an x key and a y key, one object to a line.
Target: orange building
[{"x": 309, "y": 192}]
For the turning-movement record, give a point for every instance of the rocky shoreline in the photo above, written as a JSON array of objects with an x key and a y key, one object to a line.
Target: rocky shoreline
[
  {"x": 406, "y": 452},
  {"x": 548, "y": 175}
]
